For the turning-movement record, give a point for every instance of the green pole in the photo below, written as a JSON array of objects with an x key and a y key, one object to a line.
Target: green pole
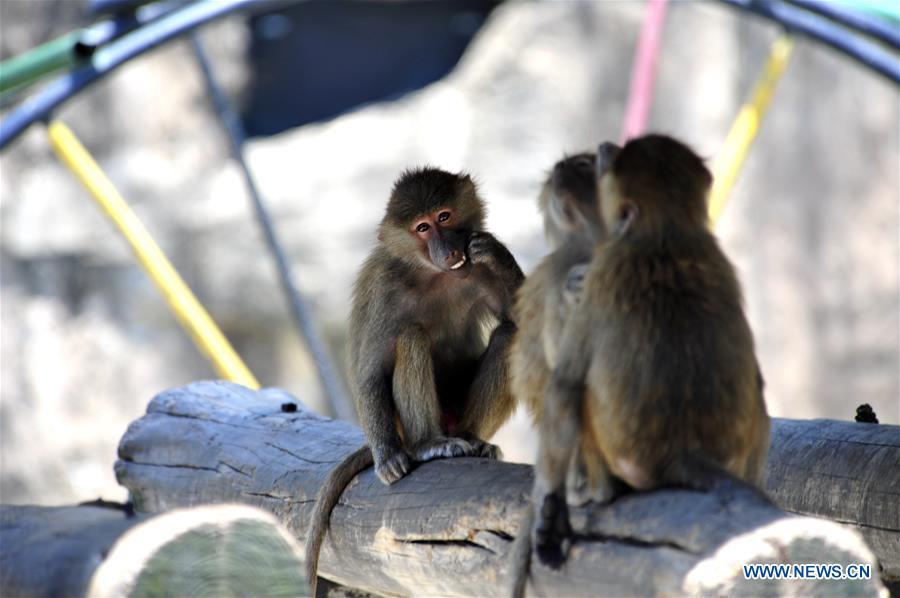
[{"x": 26, "y": 68}]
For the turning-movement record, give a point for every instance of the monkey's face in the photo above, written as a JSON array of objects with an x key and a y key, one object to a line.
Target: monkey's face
[
  {"x": 430, "y": 216},
  {"x": 443, "y": 240},
  {"x": 569, "y": 197},
  {"x": 573, "y": 178}
]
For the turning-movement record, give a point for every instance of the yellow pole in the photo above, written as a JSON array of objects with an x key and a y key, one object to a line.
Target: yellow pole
[
  {"x": 192, "y": 316},
  {"x": 743, "y": 131}
]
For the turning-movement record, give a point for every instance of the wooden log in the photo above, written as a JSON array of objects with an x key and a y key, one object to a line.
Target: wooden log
[
  {"x": 844, "y": 471},
  {"x": 446, "y": 528},
  {"x": 231, "y": 550}
]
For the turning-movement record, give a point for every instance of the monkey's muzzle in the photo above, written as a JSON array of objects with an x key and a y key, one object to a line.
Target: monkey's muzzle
[{"x": 462, "y": 262}]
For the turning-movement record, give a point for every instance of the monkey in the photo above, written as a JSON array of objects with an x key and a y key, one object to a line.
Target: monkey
[
  {"x": 430, "y": 330},
  {"x": 656, "y": 364},
  {"x": 573, "y": 227}
]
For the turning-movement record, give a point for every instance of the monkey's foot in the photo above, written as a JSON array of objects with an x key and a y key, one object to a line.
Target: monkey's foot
[
  {"x": 486, "y": 449},
  {"x": 393, "y": 467},
  {"x": 580, "y": 495},
  {"x": 443, "y": 448},
  {"x": 552, "y": 532},
  {"x": 580, "y": 490}
]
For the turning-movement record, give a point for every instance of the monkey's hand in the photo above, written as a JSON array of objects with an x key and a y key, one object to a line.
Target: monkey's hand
[
  {"x": 391, "y": 464},
  {"x": 574, "y": 285},
  {"x": 552, "y": 532},
  {"x": 484, "y": 248}
]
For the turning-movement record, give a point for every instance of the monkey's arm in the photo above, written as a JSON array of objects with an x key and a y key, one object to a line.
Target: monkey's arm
[
  {"x": 490, "y": 401},
  {"x": 505, "y": 275},
  {"x": 377, "y": 416},
  {"x": 560, "y": 430}
]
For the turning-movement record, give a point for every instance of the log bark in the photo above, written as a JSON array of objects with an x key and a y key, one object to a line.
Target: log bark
[
  {"x": 446, "y": 529},
  {"x": 232, "y": 550},
  {"x": 844, "y": 471}
]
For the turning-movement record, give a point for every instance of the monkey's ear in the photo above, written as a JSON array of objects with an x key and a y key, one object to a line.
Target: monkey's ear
[
  {"x": 467, "y": 184},
  {"x": 628, "y": 214}
]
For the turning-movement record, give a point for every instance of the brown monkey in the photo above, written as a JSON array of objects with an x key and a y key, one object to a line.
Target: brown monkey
[
  {"x": 656, "y": 365},
  {"x": 573, "y": 226},
  {"x": 430, "y": 332}
]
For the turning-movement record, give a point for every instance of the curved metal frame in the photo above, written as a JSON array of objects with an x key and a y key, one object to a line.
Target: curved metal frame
[
  {"x": 120, "y": 51},
  {"x": 819, "y": 28},
  {"x": 108, "y": 58}
]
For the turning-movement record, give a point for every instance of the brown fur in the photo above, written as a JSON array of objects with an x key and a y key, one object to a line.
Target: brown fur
[
  {"x": 656, "y": 366},
  {"x": 573, "y": 226},
  {"x": 430, "y": 332}
]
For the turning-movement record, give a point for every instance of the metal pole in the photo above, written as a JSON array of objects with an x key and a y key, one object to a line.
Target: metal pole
[{"x": 300, "y": 309}]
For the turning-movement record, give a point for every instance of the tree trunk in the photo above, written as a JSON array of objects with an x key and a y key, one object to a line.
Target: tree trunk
[{"x": 447, "y": 528}]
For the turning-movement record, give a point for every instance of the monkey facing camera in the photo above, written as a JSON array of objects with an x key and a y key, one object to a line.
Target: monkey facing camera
[
  {"x": 656, "y": 381},
  {"x": 427, "y": 380}
]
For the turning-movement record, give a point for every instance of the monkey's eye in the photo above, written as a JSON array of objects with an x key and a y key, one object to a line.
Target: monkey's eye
[
  {"x": 584, "y": 162},
  {"x": 443, "y": 216},
  {"x": 422, "y": 227}
]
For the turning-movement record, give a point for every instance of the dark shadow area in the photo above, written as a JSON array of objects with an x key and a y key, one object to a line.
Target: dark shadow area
[{"x": 316, "y": 60}]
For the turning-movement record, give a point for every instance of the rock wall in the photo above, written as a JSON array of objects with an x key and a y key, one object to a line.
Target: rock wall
[{"x": 86, "y": 341}]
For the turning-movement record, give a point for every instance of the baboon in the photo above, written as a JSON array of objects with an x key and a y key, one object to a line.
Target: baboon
[
  {"x": 430, "y": 331},
  {"x": 573, "y": 226}
]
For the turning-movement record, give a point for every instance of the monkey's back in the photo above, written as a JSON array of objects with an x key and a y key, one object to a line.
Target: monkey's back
[{"x": 674, "y": 372}]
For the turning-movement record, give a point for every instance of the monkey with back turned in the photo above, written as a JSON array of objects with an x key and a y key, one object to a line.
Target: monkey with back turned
[
  {"x": 430, "y": 331},
  {"x": 656, "y": 366}
]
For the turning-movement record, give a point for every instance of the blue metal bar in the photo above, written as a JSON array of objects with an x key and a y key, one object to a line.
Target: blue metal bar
[
  {"x": 300, "y": 309},
  {"x": 104, "y": 32},
  {"x": 104, "y": 7},
  {"x": 117, "y": 53},
  {"x": 804, "y": 23},
  {"x": 879, "y": 29}
]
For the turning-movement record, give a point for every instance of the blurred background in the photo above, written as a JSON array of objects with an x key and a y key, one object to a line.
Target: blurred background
[{"x": 339, "y": 97}]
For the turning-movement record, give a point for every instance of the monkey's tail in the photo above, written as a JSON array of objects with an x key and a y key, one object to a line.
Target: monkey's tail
[
  {"x": 521, "y": 554},
  {"x": 326, "y": 498}
]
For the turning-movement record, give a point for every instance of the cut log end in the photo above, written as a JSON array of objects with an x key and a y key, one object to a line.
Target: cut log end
[{"x": 233, "y": 550}]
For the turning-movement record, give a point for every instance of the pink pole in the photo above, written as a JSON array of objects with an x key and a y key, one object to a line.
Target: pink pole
[{"x": 643, "y": 71}]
